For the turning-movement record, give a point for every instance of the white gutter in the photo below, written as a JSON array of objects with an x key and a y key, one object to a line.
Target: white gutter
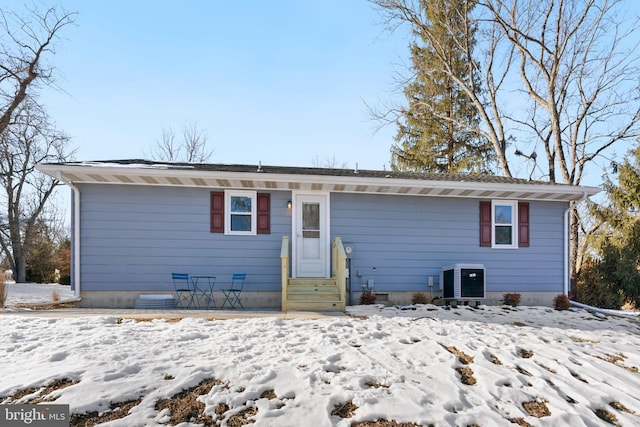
[
  {"x": 163, "y": 176},
  {"x": 567, "y": 250},
  {"x": 76, "y": 235}
]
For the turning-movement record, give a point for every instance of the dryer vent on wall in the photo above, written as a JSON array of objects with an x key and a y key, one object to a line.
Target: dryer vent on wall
[{"x": 463, "y": 281}]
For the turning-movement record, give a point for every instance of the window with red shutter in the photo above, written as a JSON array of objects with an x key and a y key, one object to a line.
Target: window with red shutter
[
  {"x": 485, "y": 223},
  {"x": 523, "y": 224},
  {"x": 498, "y": 222},
  {"x": 217, "y": 212},
  {"x": 264, "y": 213},
  {"x": 241, "y": 219}
]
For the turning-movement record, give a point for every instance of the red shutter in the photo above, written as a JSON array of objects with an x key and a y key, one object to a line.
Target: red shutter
[
  {"x": 485, "y": 223},
  {"x": 264, "y": 213},
  {"x": 217, "y": 212},
  {"x": 523, "y": 224}
]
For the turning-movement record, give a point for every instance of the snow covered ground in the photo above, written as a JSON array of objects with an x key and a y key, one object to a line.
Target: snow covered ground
[
  {"x": 427, "y": 366},
  {"x": 35, "y": 293}
]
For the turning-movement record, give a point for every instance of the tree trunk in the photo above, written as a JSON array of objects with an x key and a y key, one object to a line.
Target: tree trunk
[
  {"x": 573, "y": 251},
  {"x": 20, "y": 275}
]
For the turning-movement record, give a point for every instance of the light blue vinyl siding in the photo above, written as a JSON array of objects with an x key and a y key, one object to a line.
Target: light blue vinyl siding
[
  {"x": 398, "y": 241},
  {"x": 133, "y": 237}
]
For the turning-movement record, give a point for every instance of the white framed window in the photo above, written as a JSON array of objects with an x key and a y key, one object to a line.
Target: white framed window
[
  {"x": 240, "y": 212},
  {"x": 504, "y": 224}
]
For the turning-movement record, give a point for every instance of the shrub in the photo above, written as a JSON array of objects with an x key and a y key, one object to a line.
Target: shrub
[
  {"x": 419, "y": 298},
  {"x": 561, "y": 302},
  {"x": 55, "y": 296},
  {"x": 512, "y": 299},
  {"x": 595, "y": 288},
  {"x": 367, "y": 298}
]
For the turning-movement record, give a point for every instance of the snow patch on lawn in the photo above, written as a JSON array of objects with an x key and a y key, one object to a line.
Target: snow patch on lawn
[
  {"x": 530, "y": 365},
  {"x": 35, "y": 293}
]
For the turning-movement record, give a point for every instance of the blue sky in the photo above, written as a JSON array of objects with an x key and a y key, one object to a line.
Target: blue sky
[{"x": 281, "y": 82}]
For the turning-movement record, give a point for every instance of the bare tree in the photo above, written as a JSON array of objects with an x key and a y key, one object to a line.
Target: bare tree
[
  {"x": 27, "y": 136},
  {"x": 26, "y": 43},
  {"x": 328, "y": 162},
  {"x": 28, "y": 140},
  {"x": 166, "y": 147},
  {"x": 192, "y": 149},
  {"x": 556, "y": 75},
  {"x": 578, "y": 66}
]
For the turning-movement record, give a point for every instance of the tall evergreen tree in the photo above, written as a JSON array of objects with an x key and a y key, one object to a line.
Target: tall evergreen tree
[
  {"x": 614, "y": 272},
  {"x": 436, "y": 131}
]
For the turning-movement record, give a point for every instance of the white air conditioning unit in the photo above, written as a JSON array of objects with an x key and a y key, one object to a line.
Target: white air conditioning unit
[{"x": 463, "y": 282}]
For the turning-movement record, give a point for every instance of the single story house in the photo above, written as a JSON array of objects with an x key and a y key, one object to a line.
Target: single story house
[{"x": 313, "y": 238}]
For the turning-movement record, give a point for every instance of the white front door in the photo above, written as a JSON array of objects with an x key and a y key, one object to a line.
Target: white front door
[{"x": 311, "y": 235}]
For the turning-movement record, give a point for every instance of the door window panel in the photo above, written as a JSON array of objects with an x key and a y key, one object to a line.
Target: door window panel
[{"x": 311, "y": 220}]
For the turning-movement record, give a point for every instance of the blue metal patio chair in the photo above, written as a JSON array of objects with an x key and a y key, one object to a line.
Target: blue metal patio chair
[
  {"x": 232, "y": 294},
  {"x": 183, "y": 289}
]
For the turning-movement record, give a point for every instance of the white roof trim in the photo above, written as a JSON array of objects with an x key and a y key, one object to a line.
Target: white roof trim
[{"x": 188, "y": 176}]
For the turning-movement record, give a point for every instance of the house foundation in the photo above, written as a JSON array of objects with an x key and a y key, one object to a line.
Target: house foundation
[
  {"x": 272, "y": 300},
  {"x": 126, "y": 299}
]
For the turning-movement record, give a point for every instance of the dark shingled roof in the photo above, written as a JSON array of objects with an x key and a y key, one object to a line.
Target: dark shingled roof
[{"x": 293, "y": 170}]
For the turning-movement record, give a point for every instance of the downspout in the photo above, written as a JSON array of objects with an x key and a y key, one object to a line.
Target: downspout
[
  {"x": 567, "y": 249},
  {"x": 76, "y": 234}
]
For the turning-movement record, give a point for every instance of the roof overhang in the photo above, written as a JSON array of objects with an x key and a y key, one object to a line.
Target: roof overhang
[{"x": 180, "y": 175}]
